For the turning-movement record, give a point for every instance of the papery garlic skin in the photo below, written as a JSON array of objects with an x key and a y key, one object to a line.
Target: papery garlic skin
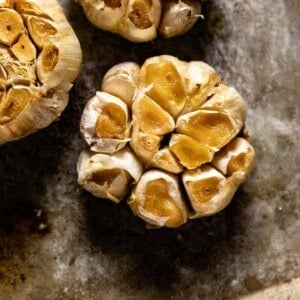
[
  {"x": 40, "y": 57},
  {"x": 178, "y": 17},
  {"x": 141, "y": 20},
  {"x": 108, "y": 176},
  {"x": 187, "y": 131}
]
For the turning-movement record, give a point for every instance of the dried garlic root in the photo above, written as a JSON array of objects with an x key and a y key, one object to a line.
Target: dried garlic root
[
  {"x": 40, "y": 57},
  {"x": 140, "y": 20},
  {"x": 177, "y": 121}
]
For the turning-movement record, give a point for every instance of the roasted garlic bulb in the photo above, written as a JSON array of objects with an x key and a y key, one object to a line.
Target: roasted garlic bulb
[
  {"x": 40, "y": 57},
  {"x": 182, "y": 126},
  {"x": 140, "y": 20}
]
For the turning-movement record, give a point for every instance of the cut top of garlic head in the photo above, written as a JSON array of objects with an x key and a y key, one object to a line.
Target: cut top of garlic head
[
  {"x": 40, "y": 57},
  {"x": 183, "y": 125},
  {"x": 140, "y": 20}
]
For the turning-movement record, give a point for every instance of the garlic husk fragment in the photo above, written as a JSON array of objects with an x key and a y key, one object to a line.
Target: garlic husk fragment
[
  {"x": 122, "y": 81},
  {"x": 208, "y": 190},
  {"x": 108, "y": 176},
  {"x": 178, "y": 17},
  {"x": 237, "y": 156},
  {"x": 157, "y": 199},
  {"x": 105, "y": 123}
]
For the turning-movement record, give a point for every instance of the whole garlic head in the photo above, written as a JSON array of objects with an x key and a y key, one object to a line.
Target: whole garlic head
[
  {"x": 140, "y": 20},
  {"x": 40, "y": 57},
  {"x": 186, "y": 131}
]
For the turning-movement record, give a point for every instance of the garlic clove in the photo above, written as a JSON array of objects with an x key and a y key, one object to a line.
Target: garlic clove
[
  {"x": 210, "y": 127},
  {"x": 157, "y": 199},
  {"x": 178, "y": 17},
  {"x": 108, "y": 176},
  {"x": 237, "y": 156},
  {"x": 141, "y": 20},
  {"x": 200, "y": 80},
  {"x": 24, "y": 50},
  {"x": 190, "y": 152},
  {"x": 208, "y": 190},
  {"x": 161, "y": 80},
  {"x": 165, "y": 160},
  {"x": 11, "y": 26},
  {"x": 145, "y": 145},
  {"x": 105, "y": 123},
  {"x": 226, "y": 99},
  {"x": 151, "y": 117},
  {"x": 122, "y": 81}
]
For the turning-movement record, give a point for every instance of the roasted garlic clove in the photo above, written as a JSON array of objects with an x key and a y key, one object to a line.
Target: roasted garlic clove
[
  {"x": 208, "y": 190},
  {"x": 210, "y": 127},
  {"x": 108, "y": 176},
  {"x": 152, "y": 118},
  {"x": 178, "y": 17},
  {"x": 157, "y": 199},
  {"x": 237, "y": 156},
  {"x": 190, "y": 152},
  {"x": 11, "y": 26},
  {"x": 105, "y": 123},
  {"x": 226, "y": 99},
  {"x": 162, "y": 81},
  {"x": 122, "y": 81},
  {"x": 38, "y": 63}
]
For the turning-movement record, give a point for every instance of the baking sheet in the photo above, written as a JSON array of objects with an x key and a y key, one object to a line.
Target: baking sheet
[{"x": 59, "y": 242}]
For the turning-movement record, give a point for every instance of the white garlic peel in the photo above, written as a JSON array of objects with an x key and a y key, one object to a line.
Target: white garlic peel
[
  {"x": 185, "y": 129},
  {"x": 105, "y": 123},
  {"x": 178, "y": 17},
  {"x": 40, "y": 57},
  {"x": 108, "y": 176},
  {"x": 140, "y": 20}
]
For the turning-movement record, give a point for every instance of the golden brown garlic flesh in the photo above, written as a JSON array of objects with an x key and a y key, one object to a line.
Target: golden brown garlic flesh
[
  {"x": 40, "y": 57},
  {"x": 141, "y": 20},
  {"x": 183, "y": 125}
]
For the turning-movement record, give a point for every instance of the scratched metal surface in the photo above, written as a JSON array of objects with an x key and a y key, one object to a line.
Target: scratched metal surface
[{"x": 58, "y": 242}]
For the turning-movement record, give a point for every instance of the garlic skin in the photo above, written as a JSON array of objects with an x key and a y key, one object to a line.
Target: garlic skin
[
  {"x": 187, "y": 131},
  {"x": 40, "y": 57},
  {"x": 157, "y": 200},
  {"x": 108, "y": 176},
  {"x": 90, "y": 116},
  {"x": 178, "y": 17},
  {"x": 141, "y": 20},
  {"x": 122, "y": 81}
]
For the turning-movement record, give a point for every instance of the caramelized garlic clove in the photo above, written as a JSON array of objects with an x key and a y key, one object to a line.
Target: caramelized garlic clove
[
  {"x": 157, "y": 199},
  {"x": 208, "y": 190},
  {"x": 190, "y": 152},
  {"x": 151, "y": 117},
  {"x": 210, "y": 127}
]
